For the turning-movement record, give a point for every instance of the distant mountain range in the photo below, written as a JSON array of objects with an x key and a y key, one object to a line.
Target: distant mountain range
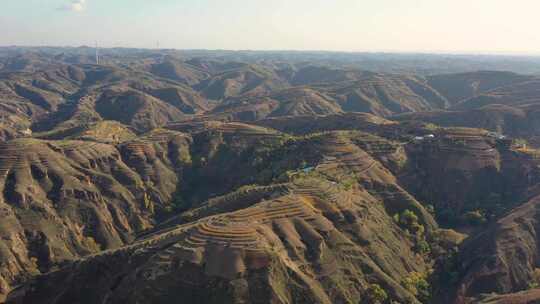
[{"x": 268, "y": 177}]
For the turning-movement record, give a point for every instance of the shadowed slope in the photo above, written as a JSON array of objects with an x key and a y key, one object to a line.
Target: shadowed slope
[{"x": 457, "y": 87}]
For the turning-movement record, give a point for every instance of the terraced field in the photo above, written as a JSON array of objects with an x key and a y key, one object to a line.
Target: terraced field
[
  {"x": 340, "y": 153},
  {"x": 22, "y": 155},
  {"x": 239, "y": 229},
  {"x": 232, "y": 128}
]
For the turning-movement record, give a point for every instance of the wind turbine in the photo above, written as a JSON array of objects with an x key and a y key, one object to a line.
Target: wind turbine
[
  {"x": 97, "y": 54},
  {"x": 162, "y": 58}
]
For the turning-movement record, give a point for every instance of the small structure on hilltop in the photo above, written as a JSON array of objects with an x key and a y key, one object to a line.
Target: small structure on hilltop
[
  {"x": 308, "y": 169},
  {"x": 496, "y": 135}
]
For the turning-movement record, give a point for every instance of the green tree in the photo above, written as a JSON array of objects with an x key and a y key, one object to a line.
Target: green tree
[
  {"x": 417, "y": 284},
  {"x": 423, "y": 247},
  {"x": 376, "y": 295},
  {"x": 409, "y": 220}
]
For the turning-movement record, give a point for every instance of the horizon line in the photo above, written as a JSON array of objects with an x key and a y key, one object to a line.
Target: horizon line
[{"x": 389, "y": 51}]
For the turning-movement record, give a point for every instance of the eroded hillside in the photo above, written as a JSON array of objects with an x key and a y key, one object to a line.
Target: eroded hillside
[{"x": 277, "y": 178}]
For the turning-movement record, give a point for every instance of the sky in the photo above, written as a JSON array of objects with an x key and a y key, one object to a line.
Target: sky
[{"x": 453, "y": 26}]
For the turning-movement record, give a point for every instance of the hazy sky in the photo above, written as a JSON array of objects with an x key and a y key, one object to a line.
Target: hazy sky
[{"x": 348, "y": 25}]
